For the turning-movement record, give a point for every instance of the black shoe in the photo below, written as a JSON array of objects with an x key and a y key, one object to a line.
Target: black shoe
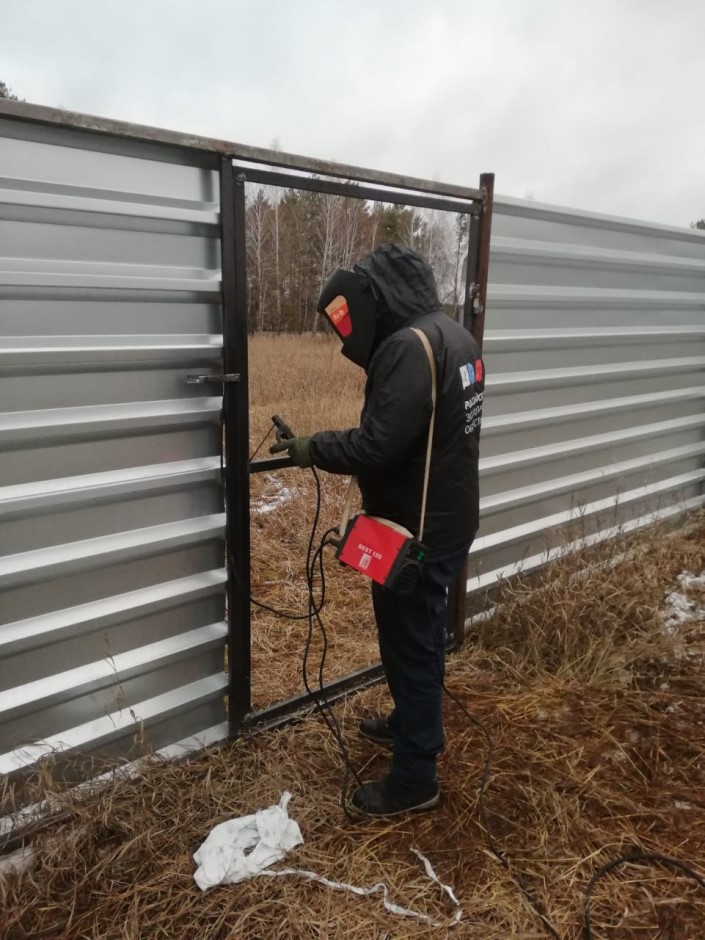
[
  {"x": 377, "y": 730},
  {"x": 384, "y": 798}
]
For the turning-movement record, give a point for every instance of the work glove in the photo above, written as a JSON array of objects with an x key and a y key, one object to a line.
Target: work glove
[{"x": 299, "y": 449}]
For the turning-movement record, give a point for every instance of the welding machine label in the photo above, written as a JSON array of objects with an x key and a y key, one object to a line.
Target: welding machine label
[{"x": 372, "y": 546}]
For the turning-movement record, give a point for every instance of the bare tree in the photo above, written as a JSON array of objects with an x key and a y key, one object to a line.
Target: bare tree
[
  {"x": 326, "y": 237},
  {"x": 462, "y": 232},
  {"x": 352, "y": 217},
  {"x": 257, "y": 248},
  {"x": 274, "y": 194}
]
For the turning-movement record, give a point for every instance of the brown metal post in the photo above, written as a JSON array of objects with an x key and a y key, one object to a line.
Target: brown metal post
[
  {"x": 483, "y": 261},
  {"x": 473, "y": 320}
]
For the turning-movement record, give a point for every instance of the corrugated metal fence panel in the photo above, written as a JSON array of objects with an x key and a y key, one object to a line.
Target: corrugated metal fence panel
[
  {"x": 111, "y": 513},
  {"x": 595, "y": 353}
]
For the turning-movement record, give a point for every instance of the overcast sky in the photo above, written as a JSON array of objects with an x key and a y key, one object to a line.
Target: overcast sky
[{"x": 593, "y": 104}]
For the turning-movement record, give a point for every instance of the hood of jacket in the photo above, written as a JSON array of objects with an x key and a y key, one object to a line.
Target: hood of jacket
[{"x": 403, "y": 285}]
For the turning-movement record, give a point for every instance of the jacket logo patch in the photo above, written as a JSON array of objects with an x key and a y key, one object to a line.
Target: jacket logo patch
[
  {"x": 472, "y": 372},
  {"x": 467, "y": 374}
]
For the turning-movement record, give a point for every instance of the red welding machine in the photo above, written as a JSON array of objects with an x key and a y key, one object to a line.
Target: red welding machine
[{"x": 384, "y": 551}]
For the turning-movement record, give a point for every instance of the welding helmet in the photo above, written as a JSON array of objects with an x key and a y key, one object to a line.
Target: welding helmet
[{"x": 349, "y": 304}]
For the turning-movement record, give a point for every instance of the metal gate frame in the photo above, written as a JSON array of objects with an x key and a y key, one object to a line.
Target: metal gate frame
[{"x": 358, "y": 184}]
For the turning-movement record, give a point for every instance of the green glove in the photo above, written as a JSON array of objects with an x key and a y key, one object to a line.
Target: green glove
[{"x": 299, "y": 450}]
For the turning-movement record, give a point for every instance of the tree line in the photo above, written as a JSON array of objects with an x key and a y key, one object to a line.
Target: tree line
[{"x": 296, "y": 239}]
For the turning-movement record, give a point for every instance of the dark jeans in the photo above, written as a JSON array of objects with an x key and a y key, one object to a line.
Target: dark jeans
[{"x": 412, "y": 645}]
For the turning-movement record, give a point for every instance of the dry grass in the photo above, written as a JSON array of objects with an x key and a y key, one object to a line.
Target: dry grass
[
  {"x": 598, "y": 720},
  {"x": 306, "y": 380},
  {"x": 313, "y": 387}
]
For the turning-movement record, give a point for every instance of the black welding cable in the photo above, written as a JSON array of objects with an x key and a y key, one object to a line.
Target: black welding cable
[
  {"x": 322, "y": 705},
  {"x": 314, "y": 609},
  {"x": 320, "y": 701},
  {"x": 309, "y": 582},
  {"x": 349, "y": 770},
  {"x": 284, "y": 614}
]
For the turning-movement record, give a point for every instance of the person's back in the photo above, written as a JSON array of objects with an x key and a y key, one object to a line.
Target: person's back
[{"x": 452, "y": 512}]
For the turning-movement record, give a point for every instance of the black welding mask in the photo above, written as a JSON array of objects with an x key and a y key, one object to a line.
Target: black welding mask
[{"x": 349, "y": 304}]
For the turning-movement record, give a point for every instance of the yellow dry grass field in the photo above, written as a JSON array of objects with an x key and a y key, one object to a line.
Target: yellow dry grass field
[{"x": 313, "y": 387}]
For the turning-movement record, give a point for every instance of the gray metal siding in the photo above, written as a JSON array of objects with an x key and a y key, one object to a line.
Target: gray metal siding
[
  {"x": 595, "y": 355},
  {"x": 111, "y": 510}
]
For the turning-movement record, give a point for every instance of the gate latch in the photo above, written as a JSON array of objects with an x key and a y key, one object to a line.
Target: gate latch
[{"x": 216, "y": 379}]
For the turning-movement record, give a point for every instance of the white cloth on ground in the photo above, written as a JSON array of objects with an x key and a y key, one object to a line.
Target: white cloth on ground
[
  {"x": 241, "y": 848},
  {"x": 268, "y": 835}
]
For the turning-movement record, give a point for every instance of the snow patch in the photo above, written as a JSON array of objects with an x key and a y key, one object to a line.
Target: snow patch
[
  {"x": 679, "y": 608},
  {"x": 272, "y": 501}
]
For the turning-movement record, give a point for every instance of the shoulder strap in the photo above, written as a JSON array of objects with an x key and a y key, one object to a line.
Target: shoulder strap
[{"x": 429, "y": 445}]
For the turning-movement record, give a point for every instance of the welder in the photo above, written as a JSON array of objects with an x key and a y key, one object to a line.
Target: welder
[{"x": 371, "y": 308}]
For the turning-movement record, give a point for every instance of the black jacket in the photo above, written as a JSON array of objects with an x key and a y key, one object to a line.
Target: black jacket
[{"x": 387, "y": 451}]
